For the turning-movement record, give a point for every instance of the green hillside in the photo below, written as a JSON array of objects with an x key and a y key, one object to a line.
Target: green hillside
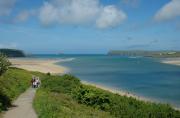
[
  {"x": 12, "y": 84},
  {"x": 12, "y": 52},
  {"x": 158, "y": 54},
  {"x": 65, "y": 96}
]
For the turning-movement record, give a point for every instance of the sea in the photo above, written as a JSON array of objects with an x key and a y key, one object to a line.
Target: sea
[{"x": 143, "y": 76}]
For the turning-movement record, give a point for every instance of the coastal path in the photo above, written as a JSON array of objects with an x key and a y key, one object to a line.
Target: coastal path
[{"x": 22, "y": 107}]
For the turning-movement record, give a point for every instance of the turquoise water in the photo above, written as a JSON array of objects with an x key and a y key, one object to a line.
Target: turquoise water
[{"x": 145, "y": 77}]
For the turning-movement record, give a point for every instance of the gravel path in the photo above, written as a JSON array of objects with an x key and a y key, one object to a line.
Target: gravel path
[{"x": 23, "y": 106}]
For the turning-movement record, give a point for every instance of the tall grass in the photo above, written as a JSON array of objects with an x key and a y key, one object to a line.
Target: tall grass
[
  {"x": 12, "y": 84},
  {"x": 52, "y": 105}
]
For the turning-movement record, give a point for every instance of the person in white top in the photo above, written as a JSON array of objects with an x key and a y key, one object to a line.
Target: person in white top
[
  {"x": 34, "y": 83},
  {"x": 38, "y": 82}
]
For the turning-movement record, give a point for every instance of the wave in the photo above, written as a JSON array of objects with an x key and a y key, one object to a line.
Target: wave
[
  {"x": 135, "y": 57},
  {"x": 67, "y": 59}
]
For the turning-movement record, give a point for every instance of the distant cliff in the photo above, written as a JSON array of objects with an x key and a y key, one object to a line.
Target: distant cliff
[
  {"x": 12, "y": 52},
  {"x": 159, "y": 54}
]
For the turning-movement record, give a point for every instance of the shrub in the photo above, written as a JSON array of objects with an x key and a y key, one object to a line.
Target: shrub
[
  {"x": 49, "y": 74},
  {"x": 92, "y": 97},
  {"x": 4, "y": 64}
]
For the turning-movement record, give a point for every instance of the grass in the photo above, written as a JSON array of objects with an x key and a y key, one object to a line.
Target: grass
[
  {"x": 54, "y": 100},
  {"x": 12, "y": 84},
  {"x": 53, "y": 105},
  {"x": 65, "y": 96}
]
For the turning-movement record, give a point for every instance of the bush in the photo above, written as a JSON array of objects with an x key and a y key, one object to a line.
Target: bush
[
  {"x": 49, "y": 74},
  {"x": 4, "y": 64},
  {"x": 92, "y": 97}
]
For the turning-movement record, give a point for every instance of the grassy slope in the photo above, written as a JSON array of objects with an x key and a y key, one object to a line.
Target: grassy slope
[
  {"x": 54, "y": 100},
  {"x": 12, "y": 84},
  {"x": 53, "y": 105},
  {"x": 66, "y": 97}
]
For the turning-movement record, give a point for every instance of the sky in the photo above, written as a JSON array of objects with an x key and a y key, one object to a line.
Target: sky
[{"x": 89, "y": 26}]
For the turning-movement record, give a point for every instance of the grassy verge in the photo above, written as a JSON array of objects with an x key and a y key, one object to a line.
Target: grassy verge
[
  {"x": 65, "y": 96},
  {"x": 12, "y": 84},
  {"x": 52, "y": 105}
]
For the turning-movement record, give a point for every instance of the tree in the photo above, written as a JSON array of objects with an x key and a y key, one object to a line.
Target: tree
[{"x": 4, "y": 64}]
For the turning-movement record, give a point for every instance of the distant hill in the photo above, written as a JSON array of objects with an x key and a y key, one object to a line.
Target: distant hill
[
  {"x": 12, "y": 52},
  {"x": 159, "y": 54}
]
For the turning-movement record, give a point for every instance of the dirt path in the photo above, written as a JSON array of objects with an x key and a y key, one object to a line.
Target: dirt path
[{"x": 23, "y": 106}]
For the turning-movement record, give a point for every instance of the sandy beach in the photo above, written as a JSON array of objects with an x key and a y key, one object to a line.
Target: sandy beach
[
  {"x": 173, "y": 61},
  {"x": 40, "y": 65}
]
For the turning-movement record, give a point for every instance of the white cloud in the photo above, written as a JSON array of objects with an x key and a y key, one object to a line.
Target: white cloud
[
  {"x": 6, "y": 6},
  {"x": 48, "y": 14},
  {"x": 170, "y": 11},
  {"x": 79, "y": 12},
  {"x": 110, "y": 17},
  {"x": 70, "y": 11}
]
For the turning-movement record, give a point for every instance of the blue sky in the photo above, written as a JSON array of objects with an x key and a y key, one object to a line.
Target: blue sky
[{"x": 89, "y": 26}]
